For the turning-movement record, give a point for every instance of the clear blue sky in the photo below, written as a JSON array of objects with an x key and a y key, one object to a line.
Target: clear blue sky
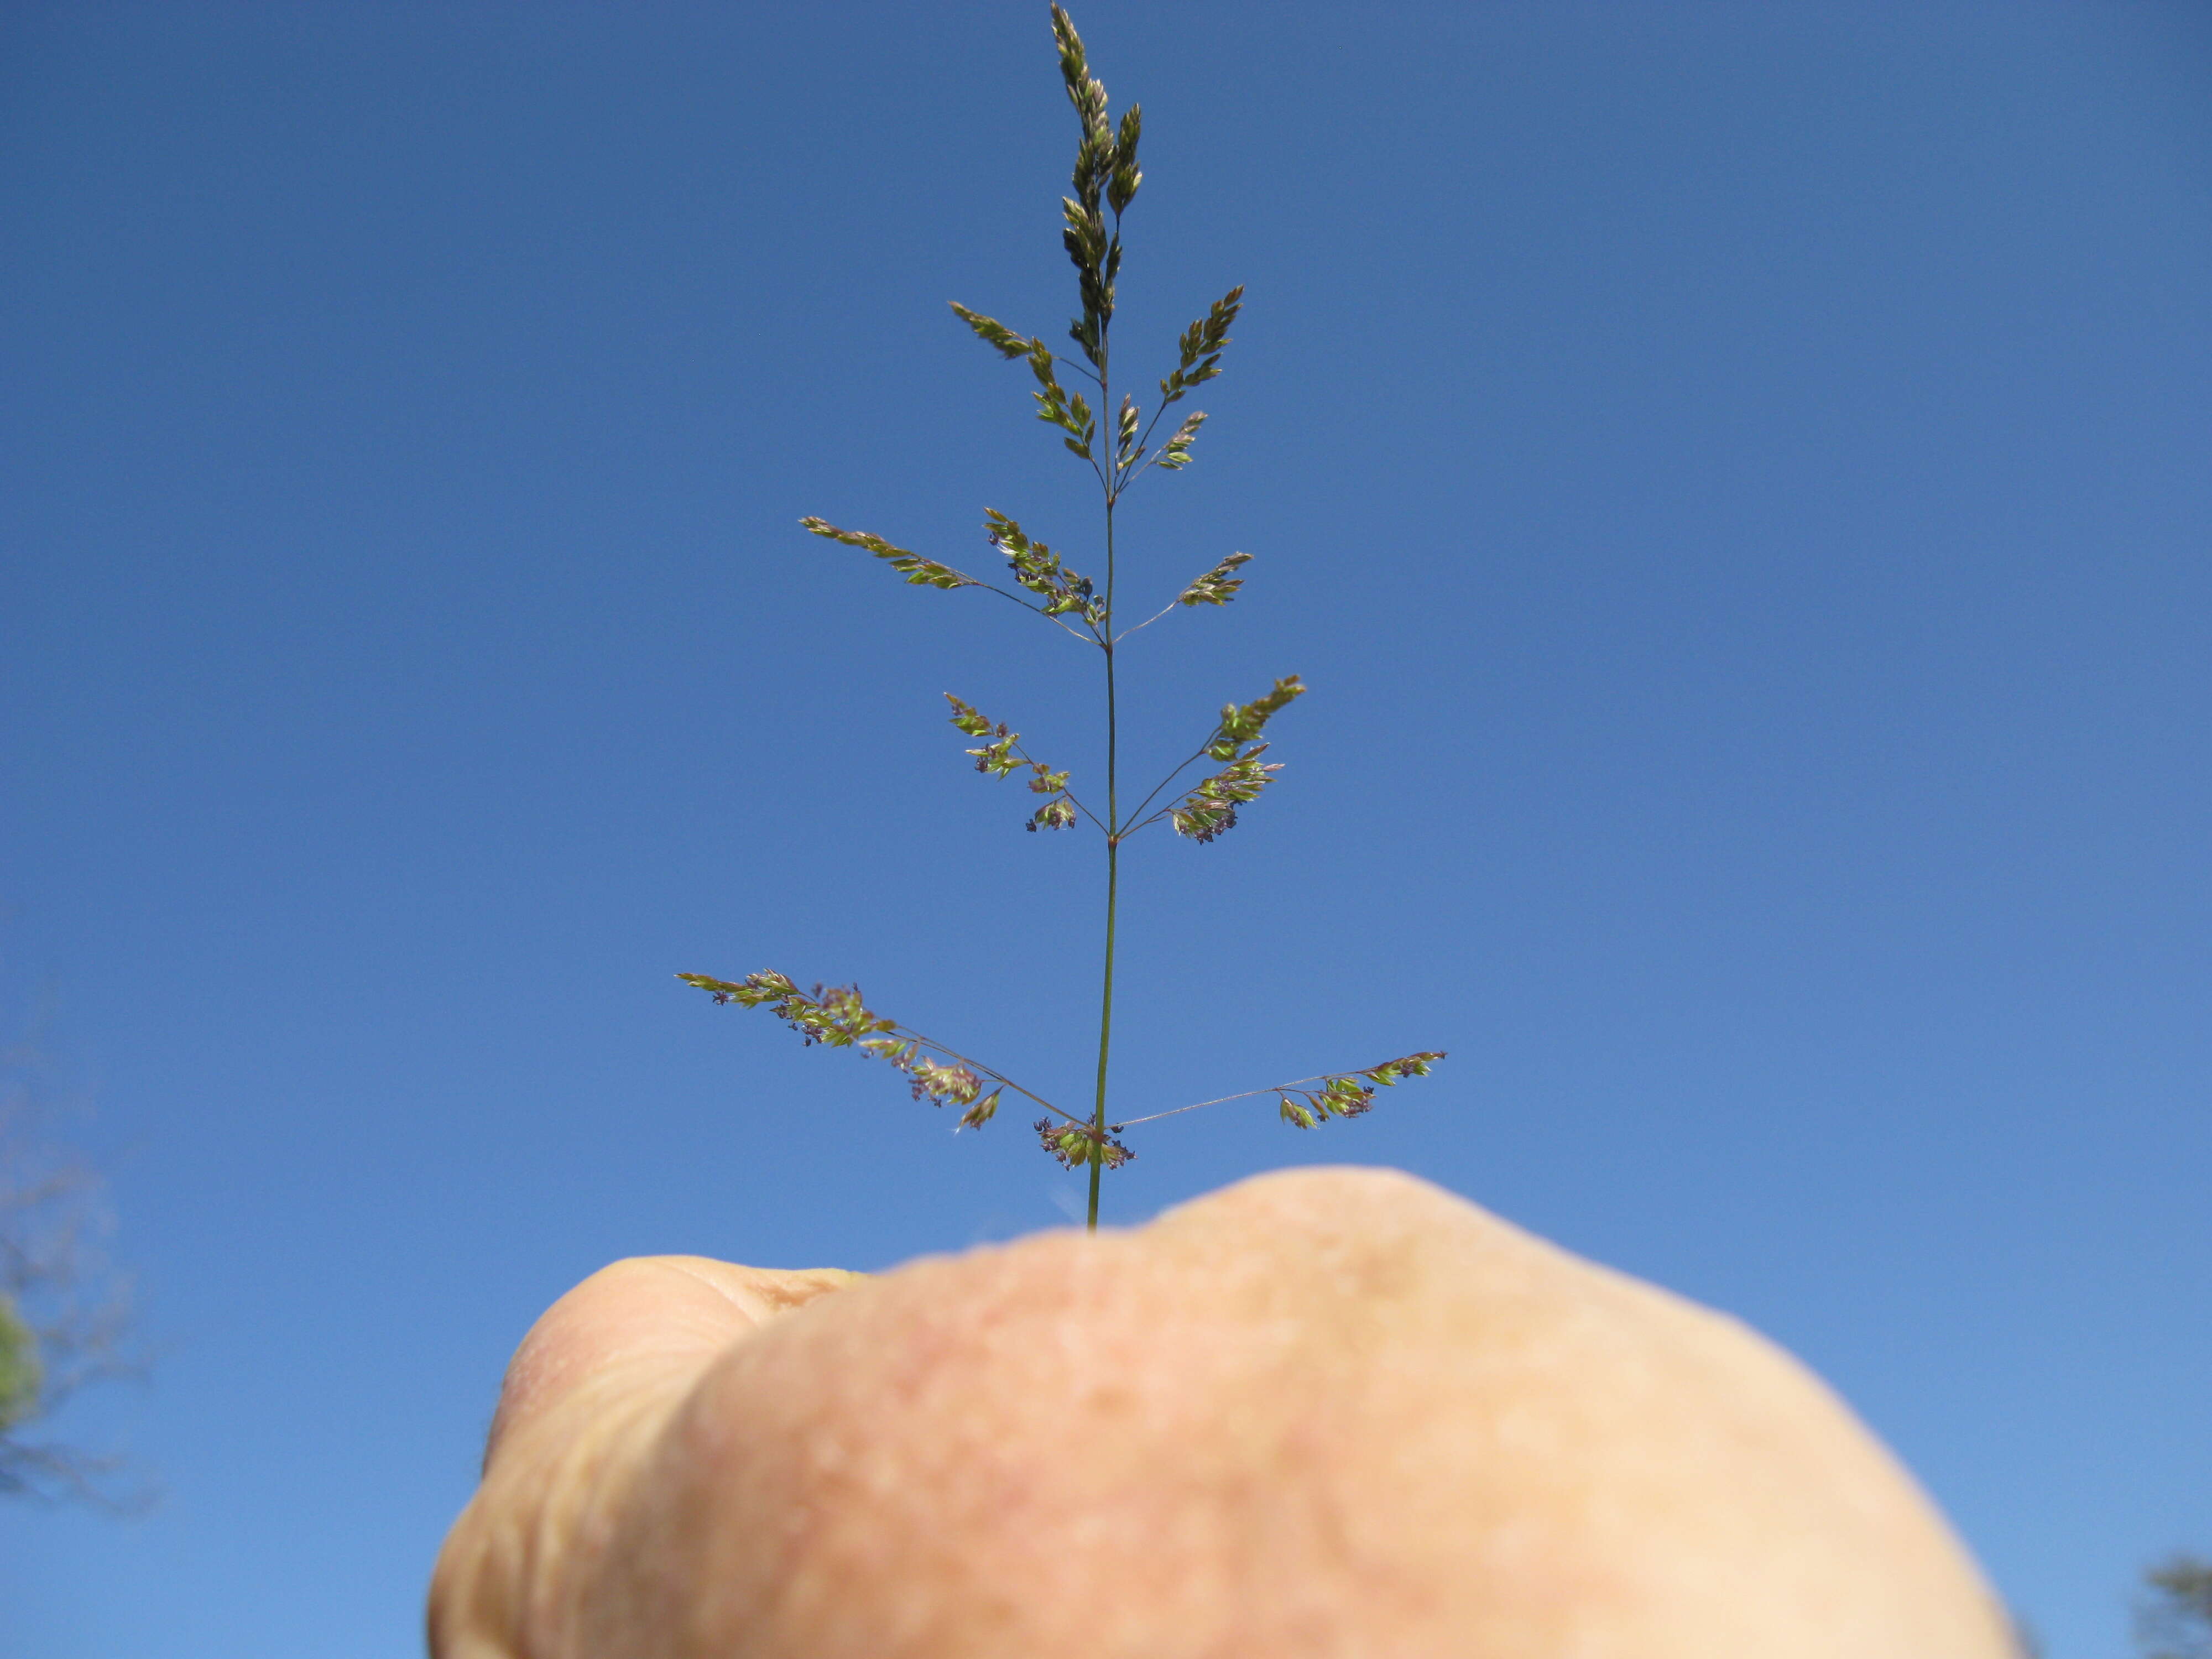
[{"x": 1734, "y": 477}]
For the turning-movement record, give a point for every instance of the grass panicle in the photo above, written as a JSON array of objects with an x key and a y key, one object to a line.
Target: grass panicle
[{"x": 1104, "y": 181}]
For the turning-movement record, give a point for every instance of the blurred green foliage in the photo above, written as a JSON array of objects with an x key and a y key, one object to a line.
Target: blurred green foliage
[
  {"x": 2173, "y": 1619},
  {"x": 22, "y": 1376}
]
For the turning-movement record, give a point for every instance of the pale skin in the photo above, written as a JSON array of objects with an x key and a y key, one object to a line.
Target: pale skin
[{"x": 1328, "y": 1413}]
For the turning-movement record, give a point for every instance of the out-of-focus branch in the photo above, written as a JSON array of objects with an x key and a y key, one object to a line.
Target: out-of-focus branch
[{"x": 65, "y": 1309}]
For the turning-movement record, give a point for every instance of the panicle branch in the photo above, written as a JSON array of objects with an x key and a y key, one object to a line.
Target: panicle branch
[
  {"x": 996, "y": 334},
  {"x": 1058, "y": 407},
  {"x": 931, "y": 573},
  {"x": 1218, "y": 585},
  {"x": 836, "y": 1017},
  {"x": 1105, "y": 179},
  {"x": 1004, "y": 754},
  {"x": 1242, "y": 724},
  {"x": 1201, "y": 347},
  {"x": 918, "y": 571},
  {"x": 1038, "y": 569},
  {"x": 1175, "y": 454},
  {"x": 1075, "y": 1144},
  {"x": 1388, "y": 1072},
  {"x": 1348, "y": 1094},
  {"x": 1209, "y": 809},
  {"x": 1102, "y": 167}
]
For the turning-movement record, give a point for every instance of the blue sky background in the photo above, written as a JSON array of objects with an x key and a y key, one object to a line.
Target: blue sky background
[{"x": 1734, "y": 477}]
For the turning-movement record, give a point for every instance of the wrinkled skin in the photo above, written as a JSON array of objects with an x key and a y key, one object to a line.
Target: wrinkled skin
[{"x": 1331, "y": 1412}]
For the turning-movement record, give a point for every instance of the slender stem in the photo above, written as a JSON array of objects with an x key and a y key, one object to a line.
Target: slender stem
[
  {"x": 1112, "y": 889},
  {"x": 1114, "y": 477}
]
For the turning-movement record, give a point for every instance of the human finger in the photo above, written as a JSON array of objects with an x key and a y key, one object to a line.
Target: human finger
[
  {"x": 582, "y": 1400},
  {"x": 1324, "y": 1412}
]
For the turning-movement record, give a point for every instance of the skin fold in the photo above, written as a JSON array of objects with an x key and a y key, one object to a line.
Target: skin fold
[{"x": 1326, "y": 1412}]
